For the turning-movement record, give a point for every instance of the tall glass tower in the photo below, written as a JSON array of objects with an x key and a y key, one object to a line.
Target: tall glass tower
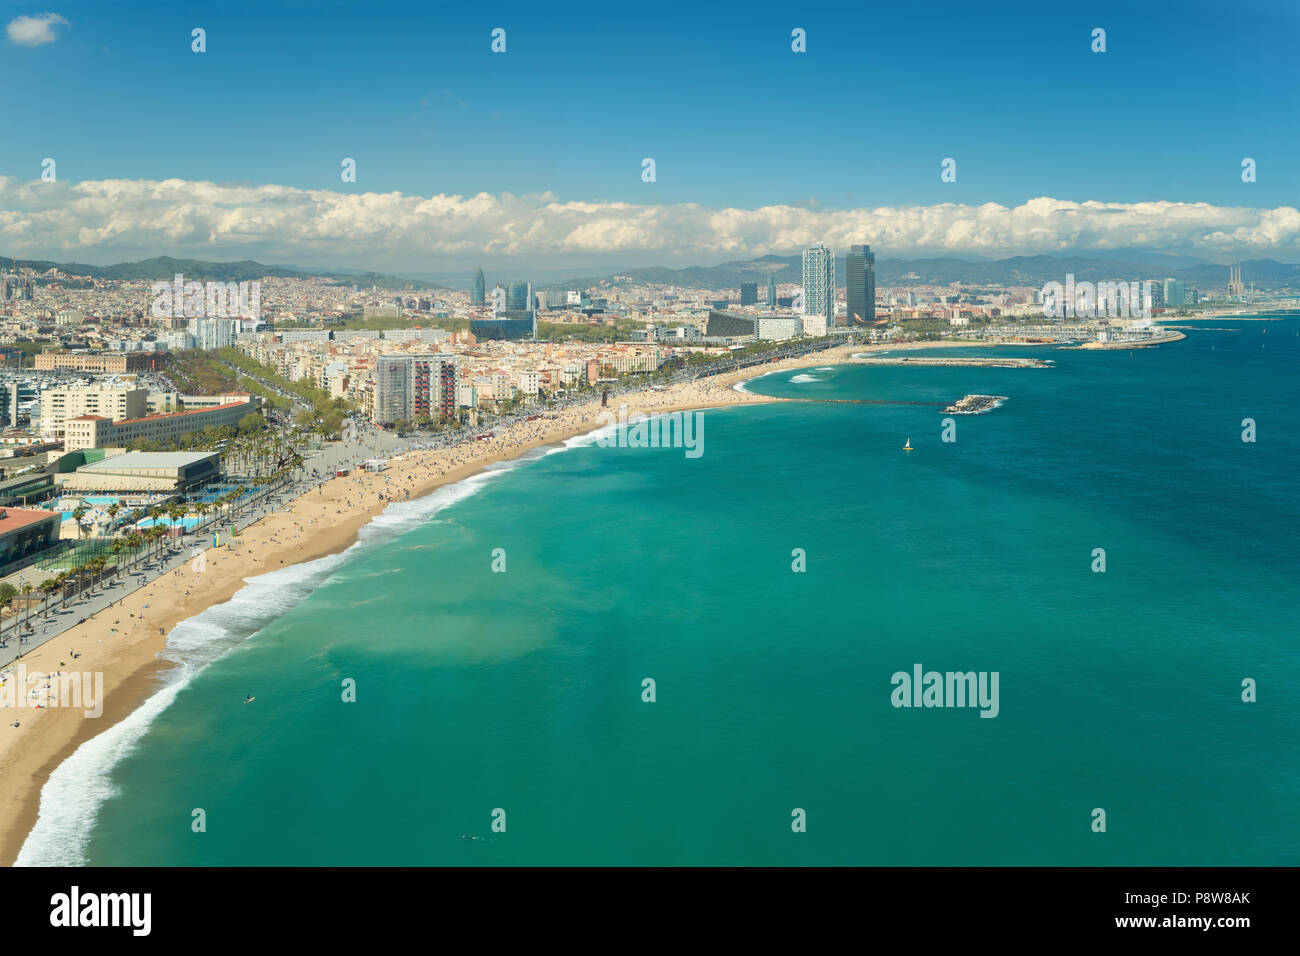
[
  {"x": 771, "y": 292},
  {"x": 517, "y": 296},
  {"x": 819, "y": 283},
  {"x": 477, "y": 289},
  {"x": 861, "y": 268}
]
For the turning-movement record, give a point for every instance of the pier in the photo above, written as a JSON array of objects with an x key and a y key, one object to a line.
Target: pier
[
  {"x": 856, "y": 401},
  {"x": 956, "y": 361}
]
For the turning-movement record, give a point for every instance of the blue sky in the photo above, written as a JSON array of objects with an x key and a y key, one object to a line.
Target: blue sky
[{"x": 733, "y": 118}]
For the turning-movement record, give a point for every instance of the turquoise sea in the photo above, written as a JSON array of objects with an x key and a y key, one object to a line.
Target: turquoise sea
[{"x": 522, "y": 690}]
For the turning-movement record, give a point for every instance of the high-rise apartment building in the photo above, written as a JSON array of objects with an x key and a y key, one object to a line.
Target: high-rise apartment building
[
  {"x": 214, "y": 333},
  {"x": 412, "y": 387}
]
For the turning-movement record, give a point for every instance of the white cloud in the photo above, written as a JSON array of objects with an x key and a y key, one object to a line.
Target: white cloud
[
  {"x": 34, "y": 31},
  {"x": 116, "y": 219}
]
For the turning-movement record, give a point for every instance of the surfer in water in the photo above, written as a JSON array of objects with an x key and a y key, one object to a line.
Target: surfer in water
[{"x": 249, "y": 699}]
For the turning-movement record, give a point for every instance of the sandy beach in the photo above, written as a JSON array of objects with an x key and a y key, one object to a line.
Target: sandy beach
[{"x": 123, "y": 642}]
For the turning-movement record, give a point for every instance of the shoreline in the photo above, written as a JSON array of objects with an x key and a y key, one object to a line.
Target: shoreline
[{"x": 125, "y": 642}]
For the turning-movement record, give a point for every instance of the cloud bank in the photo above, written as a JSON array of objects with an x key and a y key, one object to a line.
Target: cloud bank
[
  {"x": 111, "y": 220},
  {"x": 35, "y": 31}
]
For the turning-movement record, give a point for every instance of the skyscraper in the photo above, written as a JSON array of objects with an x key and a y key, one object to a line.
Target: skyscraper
[
  {"x": 1175, "y": 293},
  {"x": 517, "y": 297},
  {"x": 749, "y": 293},
  {"x": 819, "y": 283},
  {"x": 771, "y": 292},
  {"x": 477, "y": 289},
  {"x": 861, "y": 268}
]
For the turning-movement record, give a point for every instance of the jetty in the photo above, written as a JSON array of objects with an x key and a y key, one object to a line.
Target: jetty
[
  {"x": 962, "y": 361},
  {"x": 974, "y": 404}
]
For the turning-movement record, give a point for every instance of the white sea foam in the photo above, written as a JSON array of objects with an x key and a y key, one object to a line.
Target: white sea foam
[
  {"x": 78, "y": 787},
  {"x": 585, "y": 439},
  {"x": 801, "y": 378},
  {"x": 744, "y": 385}
]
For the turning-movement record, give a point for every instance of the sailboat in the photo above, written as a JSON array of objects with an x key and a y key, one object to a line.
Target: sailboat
[{"x": 908, "y": 446}]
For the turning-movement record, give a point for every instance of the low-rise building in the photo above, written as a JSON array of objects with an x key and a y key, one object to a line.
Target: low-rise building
[
  {"x": 141, "y": 471},
  {"x": 96, "y": 431},
  {"x": 24, "y": 533}
]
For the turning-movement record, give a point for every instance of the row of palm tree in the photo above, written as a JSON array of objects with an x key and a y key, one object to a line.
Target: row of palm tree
[{"x": 271, "y": 458}]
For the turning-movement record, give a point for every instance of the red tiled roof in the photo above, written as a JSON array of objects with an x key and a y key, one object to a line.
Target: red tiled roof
[{"x": 188, "y": 411}]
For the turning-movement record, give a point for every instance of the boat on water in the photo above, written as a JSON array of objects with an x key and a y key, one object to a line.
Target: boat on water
[{"x": 908, "y": 446}]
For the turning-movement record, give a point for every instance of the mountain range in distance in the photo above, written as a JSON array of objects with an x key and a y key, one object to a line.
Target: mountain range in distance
[
  {"x": 1127, "y": 266},
  {"x": 166, "y": 268}
]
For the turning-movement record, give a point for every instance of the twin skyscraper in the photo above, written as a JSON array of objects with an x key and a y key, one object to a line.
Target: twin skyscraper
[{"x": 819, "y": 285}]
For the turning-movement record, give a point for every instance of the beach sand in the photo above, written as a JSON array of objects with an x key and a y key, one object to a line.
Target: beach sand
[{"x": 124, "y": 641}]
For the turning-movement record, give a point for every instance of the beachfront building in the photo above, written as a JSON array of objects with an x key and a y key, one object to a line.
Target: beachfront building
[
  {"x": 142, "y": 471},
  {"x": 819, "y": 283},
  {"x": 729, "y": 325},
  {"x": 96, "y": 431},
  {"x": 413, "y": 387},
  {"x": 775, "y": 328},
  {"x": 861, "y": 285},
  {"x": 25, "y": 533}
]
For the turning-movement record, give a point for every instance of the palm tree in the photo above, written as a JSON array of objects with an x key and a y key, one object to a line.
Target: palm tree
[
  {"x": 27, "y": 602},
  {"x": 78, "y": 513},
  {"x": 97, "y": 570},
  {"x": 48, "y": 587},
  {"x": 133, "y": 541},
  {"x": 156, "y": 532},
  {"x": 77, "y": 574}
]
